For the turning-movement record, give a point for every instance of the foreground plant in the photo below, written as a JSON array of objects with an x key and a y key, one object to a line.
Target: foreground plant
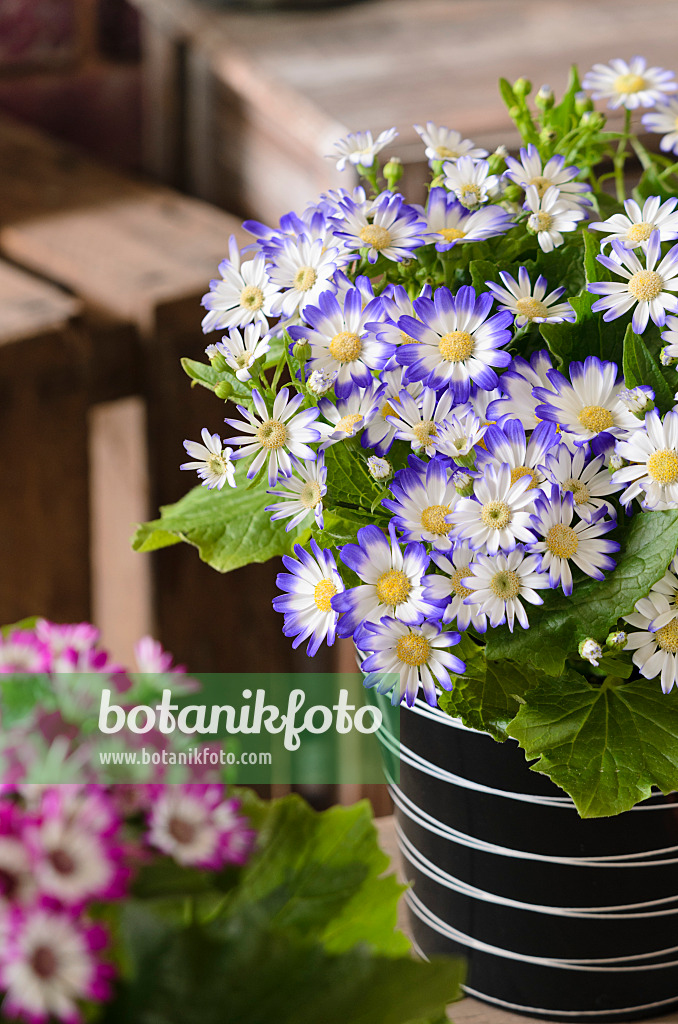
[{"x": 487, "y": 499}]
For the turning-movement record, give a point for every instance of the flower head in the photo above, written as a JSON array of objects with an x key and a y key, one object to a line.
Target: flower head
[
  {"x": 403, "y": 658},
  {"x": 634, "y": 227},
  {"x": 652, "y": 453},
  {"x": 501, "y": 582},
  {"x": 309, "y": 585},
  {"x": 388, "y": 228},
  {"x": 629, "y": 85},
  {"x": 498, "y": 516},
  {"x": 450, "y": 223},
  {"x": 530, "y": 304},
  {"x": 663, "y": 120},
  {"x": 590, "y": 404},
  {"x": 242, "y": 296},
  {"x": 445, "y": 143},
  {"x": 528, "y": 171},
  {"x": 361, "y": 147},
  {"x": 213, "y": 461},
  {"x": 550, "y": 215},
  {"x": 302, "y": 493},
  {"x": 649, "y": 288},
  {"x": 196, "y": 826},
  {"x": 276, "y": 435},
  {"x": 448, "y": 587},
  {"x": 424, "y": 497},
  {"x": 470, "y": 180}
]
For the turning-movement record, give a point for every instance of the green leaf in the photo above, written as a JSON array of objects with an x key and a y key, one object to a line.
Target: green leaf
[
  {"x": 229, "y": 528},
  {"x": 487, "y": 696},
  {"x": 28, "y": 623},
  {"x": 208, "y": 377},
  {"x": 507, "y": 93},
  {"x": 20, "y": 694},
  {"x": 651, "y": 184},
  {"x": 649, "y": 543},
  {"x": 640, "y": 367},
  {"x": 482, "y": 271},
  {"x": 604, "y": 745},
  {"x": 349, "y": 482}
]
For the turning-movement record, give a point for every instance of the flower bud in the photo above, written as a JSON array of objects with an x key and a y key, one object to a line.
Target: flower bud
[
  {"x": 590, "y": 650},
  {"x": 321, "y": 381},
  {"x": 463, "y": 485},
  {"x": 616, "y": 462},
  {"x": 393, "y": 172},
  {"x": 592, "y": 119},
  {"x": 224, "y": 389},
  {"x": 547, "y": 136},
  {"x": 216, "y": 359},
  {"x": 522, "y": 87},
  {"x": 379, "y": 469},
  {"x": 583, "y": 104},
  {"x": 665, "y": 357},
  {"x": 637, "y": 400},
  {"x": 544, "y": 98},
  {"x": 301, "y": 351},
  {"x": 617, "y": 640}
]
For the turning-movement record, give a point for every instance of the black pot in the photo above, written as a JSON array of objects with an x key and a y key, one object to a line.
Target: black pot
[{"x": 508, "y": 875}]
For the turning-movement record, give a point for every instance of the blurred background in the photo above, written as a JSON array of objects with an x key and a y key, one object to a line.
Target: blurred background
[{"x": 134, "y": 136}]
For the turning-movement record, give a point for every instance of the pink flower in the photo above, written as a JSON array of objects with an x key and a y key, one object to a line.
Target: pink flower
[
  {"x": 22, "y": 651},
  {"x": 196, "y": 826}
]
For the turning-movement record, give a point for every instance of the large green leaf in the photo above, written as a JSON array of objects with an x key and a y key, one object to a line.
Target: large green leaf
[
  {"x": 349, "y": 484},
  {"x": 229, "y": 528},
  {"x": 604, "y": 745},
  {"x": 640, "y": 367},
  {"x": 487, "y": 696},
  {"x": 648, "y": 544}
]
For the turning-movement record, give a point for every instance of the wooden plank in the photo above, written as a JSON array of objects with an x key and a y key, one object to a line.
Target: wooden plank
[
  {"x": 29, "y": 307},
  {"x": 161, "y": 123}
]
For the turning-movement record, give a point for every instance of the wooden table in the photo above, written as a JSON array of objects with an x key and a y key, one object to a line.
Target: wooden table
[
  {"x": 262, "y": 96},
  {"x": 467, "y": 1011}
]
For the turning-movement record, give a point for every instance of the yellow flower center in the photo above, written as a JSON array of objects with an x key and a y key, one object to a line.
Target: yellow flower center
[
  {"x": 505, "y": 584},
  {"x": 521, "y": 471},
  {"x": 347, "y": 423},
  {"x": 216, "y": 464},
  {"x": 457, "y": 586},
  {"x": 595, "y": 418},
  {"x": 413, "y": 649},
  {"x": 445, "y": 153},
  {"x": 496, "y": 515},
  {"x": 579, "y": 489},
  {"x": 424, "y": 432},
  {"x": 375, "y": 236},
  {"x": 345, "y": 347},
  {"x": 433, "y": 520},
  {"x": 272, "y": 434},
  {"x": 393, "y": 587},
  {"x": 540, "y": 183},
  {"x": 640, "y": 232},
  {"x": 305, "y": 278},
  {"x": 662, "y": 466},
  {"x": 562, "y": 541},
  {"x": 667, "y": 637},
  {"x": 451, "y": 234},
  {"x": 407, "y": 339},
  {"x": 310, "y": 494},
  {"x": 455, "y": 346},
  {"x": 243, "y": 360},
  {"x": 625, "y": 84},
  {"x": 646, "y": 285},
  {"x": 252, "y": 298},
  {"x": 541, "y": 221},
  {"x": 531, "y": 308},
  {"x": 469, "y": 194},
  {"x": 323, "y": 594},
  {"x": 388, "y": 410}
]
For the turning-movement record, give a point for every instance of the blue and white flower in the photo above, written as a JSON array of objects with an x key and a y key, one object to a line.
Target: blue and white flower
[
  {"x": 530, "y": 304},
  {"x": 449, "y": 588},
  {"x": 349, "y": 415},
  {"x": 649, "y": 288},
  {"x": 274, "y": 436},
  {"x": 498, "y": 516},
  {"x": 380, "y": 431},
  {"x": 663, "y": 120},
  {"x": 309, "y": 585},
  {"x": 654, "y": 650},
  {"x": 450, "y": 223},
  {"x": 389, "y": 227},
  {"x": 589, "y": 482},
  {"x": 418, "y": 421},
  {"x": 241, "y": 349},
  {"x": 629, "y": 85},
  {"x": 341, "y": 342},
  {"x": 589, "y": 405},
  {"x": 459, "y": 433},
  {"x": 445, "y": 143},
  {"x": 550, "y": 216},
  {"x": 634, "y": 227},
  {"x": 652, "y": 453},
  {"x": 470, "y": 180},
  {"x": 424, "y": 497},
  {"x": 500, "y": 583},
  {"x": 507, "y": 444},
  {"x": 302, "y": 493},
  {"x": 518, "y": 384},
  {"x": 529, "y": 171},
  {"x": 415, "y": 656},
  {"x": 392, "y": 582},
  {"x": 301, "y": 271},
  {"x": 242, "y": 296},
  {"x": 213, "y": 462},
  {"x": 361, "y": 147},
  {"x": 584, "y": 544},
  {"x": 456, "y": 342}
]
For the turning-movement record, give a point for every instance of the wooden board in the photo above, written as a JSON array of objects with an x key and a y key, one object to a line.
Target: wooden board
[{"x": 30, "y": 307}]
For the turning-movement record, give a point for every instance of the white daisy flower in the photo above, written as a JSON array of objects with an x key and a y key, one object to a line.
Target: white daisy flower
[
  {"x": 590, "y": 404},
  {"x": 518, "y": 383},
  {"x": 649, "y": 288},
  {"x": 424, "y": 498},
  {"x": 459, "y": 434},
  {"x": 183, "y": 824},
  {"x": 380, "y": 431},
  {"x": 470, "y": 180},
  {"x": 404, "y": 658},
  {"x": 654, "y": 650},
  {"x": 629, "y": 85},
  {"x": 588, "y": 482},
  {"x": 302, "y": 493},
  {"x": 450, "y": 223},
  {"x": 241, "y": 349},
  {"x": 242, "y": 296},
  {"x": 530, "y": 304},
  {"x": 583, "y": 543},
  {"x": 652, "y": 453},
  {"x": 321, "y": 381},
  {"x": 361, "y": 147},
  {"x": 509, "y": 445},
  {"x": 663, "y": 120},
  {"x": 499, "y": 514},
  {"x": 529, "y": 171},
  {"x": 663, "y": 598},
  {"x": 446, "y": 144},
  {"x": 450, "y": 588},
  {"x": 213, "y": 465},
  {"x": 550, "y": 216},
  {"x": 500, "y": 583},
  {"x": 275, "y": 436},
  {"x": 670, "y": 336},
  {"x": 301, "y": 270},
  {"x": 310, "y": 583},
  {"x": 418, "y": 421},
  {"x": 635, "y": 227},
  {"x": 349, "y": 415}
]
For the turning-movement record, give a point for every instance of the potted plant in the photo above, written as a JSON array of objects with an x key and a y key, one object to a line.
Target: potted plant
[{"x": 472, "y": 470}]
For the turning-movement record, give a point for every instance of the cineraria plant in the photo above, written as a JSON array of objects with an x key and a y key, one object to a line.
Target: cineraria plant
[
  {"x": 456, "y": 423},
  {"x": 164, "y": 901}
]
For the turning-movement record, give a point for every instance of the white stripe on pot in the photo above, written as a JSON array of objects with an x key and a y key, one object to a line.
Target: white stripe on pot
[{"x": 566, "y": 1013}]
